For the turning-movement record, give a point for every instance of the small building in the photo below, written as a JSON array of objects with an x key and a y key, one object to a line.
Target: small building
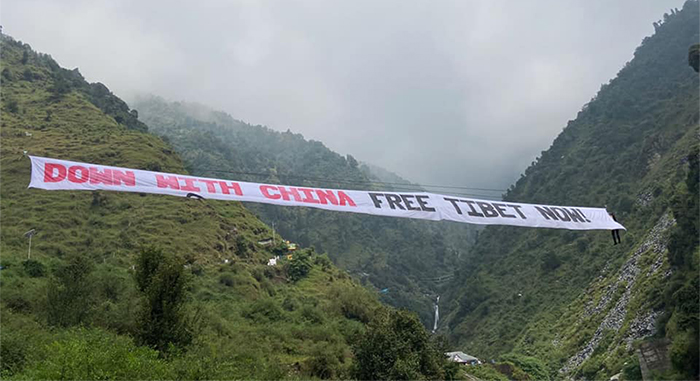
[{"x": 462, "y": 358}]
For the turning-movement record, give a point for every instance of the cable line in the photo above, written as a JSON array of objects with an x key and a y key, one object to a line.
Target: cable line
[
  {"x": 401, "y": 188},
  {"x": 438, "y": 278},
  {"x": 350, "y": 181}
]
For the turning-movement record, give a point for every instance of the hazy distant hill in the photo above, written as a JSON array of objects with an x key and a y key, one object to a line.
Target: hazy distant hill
[
  {"x": 402, "y": 256},
  {"x": 573, "y": 299}
]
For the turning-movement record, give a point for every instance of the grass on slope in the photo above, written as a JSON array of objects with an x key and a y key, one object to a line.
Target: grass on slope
[{"x": 249, "y": 320}]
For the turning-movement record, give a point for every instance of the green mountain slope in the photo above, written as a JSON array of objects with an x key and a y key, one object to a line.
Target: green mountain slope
[
  {"x": 403, "y": 256},
  {"x": 75, "y": 310},
  {"x": 573, "y": 299}
]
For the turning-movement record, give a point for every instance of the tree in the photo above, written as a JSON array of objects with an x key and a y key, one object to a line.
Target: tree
[
  {"x": 683, "y": 287},
  {"x": 684, "y": 236},
  {"x": 351, "y": 161},
  {"x": 162, "y": 281},
  {"x": 550, "y": 261},
  {"x": 396, "y": 346},
  {"x": 299, "y": 266},
  {"x": 70, "y": 293},
  {"x": 694, "y": 57},
  {"x": 12, "y": 106},
  {"x": 60, "y": 87}
]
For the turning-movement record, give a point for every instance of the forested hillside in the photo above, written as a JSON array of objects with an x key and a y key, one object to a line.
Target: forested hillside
[
  {"x": 405, "y": 258},
  {"x": 575, "y": 301},
  {"x": 137, "y": 286}
]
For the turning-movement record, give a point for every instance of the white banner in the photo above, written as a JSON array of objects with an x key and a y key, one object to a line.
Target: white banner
[{"x": 53, "y": 174}]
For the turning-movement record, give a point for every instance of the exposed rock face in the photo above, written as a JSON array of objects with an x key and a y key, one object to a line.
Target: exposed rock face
[
  {"x": 653, "y": 356},
  {"x": 643, "y": 325}
]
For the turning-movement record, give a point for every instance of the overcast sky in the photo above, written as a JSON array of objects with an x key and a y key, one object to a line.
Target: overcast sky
[{"x": 441, "y": 92}]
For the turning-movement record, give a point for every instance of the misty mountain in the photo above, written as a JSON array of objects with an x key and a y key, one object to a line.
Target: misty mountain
[
  {"x": 403, "y": 257},
  {"x": 136, "y": 286},
  {"x": 108, "y": 285},
  {"x": 573, "y": 299}
]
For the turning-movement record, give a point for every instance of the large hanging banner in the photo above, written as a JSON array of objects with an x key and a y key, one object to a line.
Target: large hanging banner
[{"x": 53, "y": 174}]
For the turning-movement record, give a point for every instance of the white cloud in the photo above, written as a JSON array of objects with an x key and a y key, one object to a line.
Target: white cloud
[{"x": 458, "y": 92}]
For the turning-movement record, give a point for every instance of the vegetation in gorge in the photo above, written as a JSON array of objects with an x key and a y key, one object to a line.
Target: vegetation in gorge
[{"x": 550, "y": 293}]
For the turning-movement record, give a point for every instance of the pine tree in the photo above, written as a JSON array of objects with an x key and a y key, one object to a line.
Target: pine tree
[{"x": 163, "y": 282}]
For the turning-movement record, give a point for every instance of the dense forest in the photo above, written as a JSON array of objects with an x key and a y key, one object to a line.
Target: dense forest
[
  {"x": 408, "y": 259},
  {"x": 136, "y": 286},
  {"x": 573, "y": 299}
]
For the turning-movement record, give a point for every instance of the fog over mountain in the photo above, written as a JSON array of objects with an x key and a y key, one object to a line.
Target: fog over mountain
[{"x": 456, "y": 92}]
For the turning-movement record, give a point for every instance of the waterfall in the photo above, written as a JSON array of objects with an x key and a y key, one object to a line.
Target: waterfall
[{"x": 437, "y": 314}]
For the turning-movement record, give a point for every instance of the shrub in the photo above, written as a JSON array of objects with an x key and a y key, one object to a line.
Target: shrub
[
  {"x": 34, "y": 269},
  {"x": 242, "y": 247},
  {"x": 396, "y": 346},
  {"x": 453, "y": 371},
  {"x": 590, "y": 368},
  {"x": 151, "y": 165},
  {"x": 226, "y": 279},
  {"x": 323, "y": 261},
  {"x": 13, "y": 353},
  {"x": 550, "y": 262},
  {"x": 299, "y": 267},
  {"x": 352, "y": 302},
  {"x": 290, "y": 304},
  {"x": 17, "y": 302},
  {"x": 264, "y": 310},
  {"x": 97, "y": 355},
  {"x": 12, "y": 106},
  {"x": 684, "y": 353},
  {"x": 197, "y": 270},
  {"x": 312, "y": 315},
  {"x": 631, "y": 370},
  {"x": 324, "y": 363},
  {"x": 530, "y": 365},
  {"x": 485, "y": 372}
]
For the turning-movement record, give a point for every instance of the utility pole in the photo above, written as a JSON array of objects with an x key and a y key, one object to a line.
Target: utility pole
[
  {"x": 273, "y": 234},
  {"x": 29, "y": 235}
]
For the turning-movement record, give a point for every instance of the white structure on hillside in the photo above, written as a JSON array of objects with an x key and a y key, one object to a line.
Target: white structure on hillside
[{"x": 462, "y": 358}]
